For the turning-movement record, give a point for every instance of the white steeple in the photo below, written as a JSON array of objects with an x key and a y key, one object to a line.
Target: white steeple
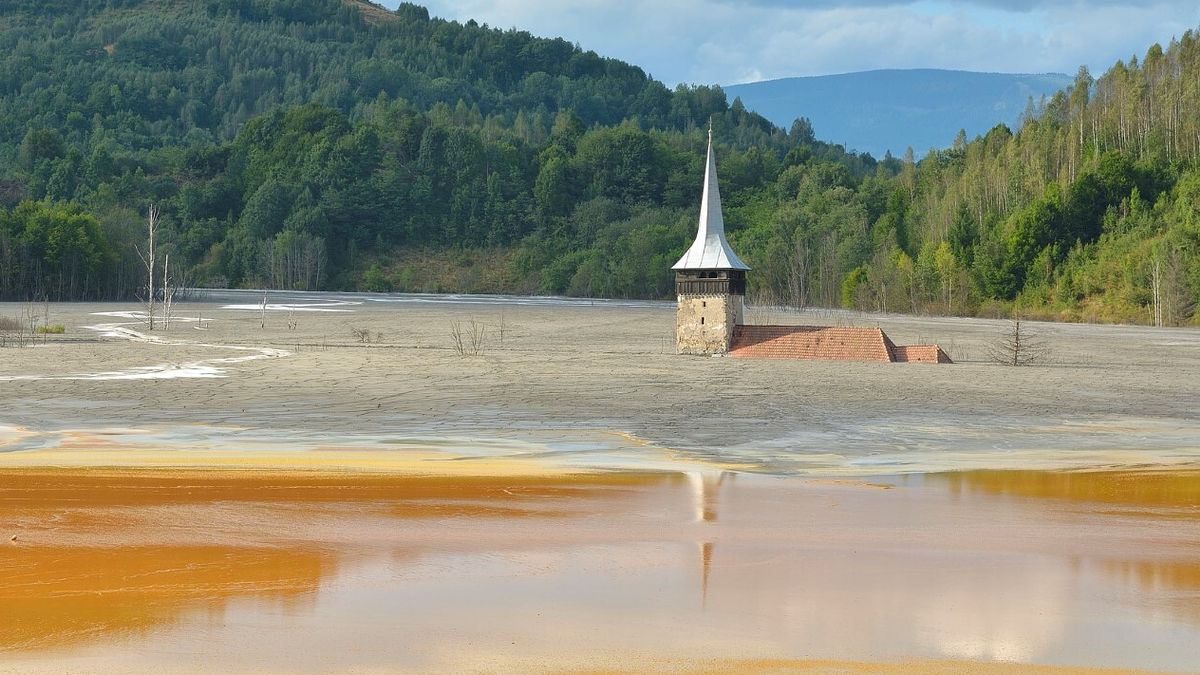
[{"x": 711, "y": 251}]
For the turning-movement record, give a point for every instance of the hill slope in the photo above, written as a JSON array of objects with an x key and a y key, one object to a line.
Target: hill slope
[
  {"x": 303, "y": 144},
  {"x": 883, "y": 110},
  {"x": 294, "y": 142}
]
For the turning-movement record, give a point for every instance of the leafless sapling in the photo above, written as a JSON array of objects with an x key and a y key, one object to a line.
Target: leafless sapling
[
  {"x": 168, "y": 292},
  {"x": 467, "y": 339},
  {"x": 148, "y": 260},
  {"x": 1019, "y": 346}
]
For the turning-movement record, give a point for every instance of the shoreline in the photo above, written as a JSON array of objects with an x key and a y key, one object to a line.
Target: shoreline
[
  {"x": 506, "y": 451},
  {"x": 367, "y": 464}
]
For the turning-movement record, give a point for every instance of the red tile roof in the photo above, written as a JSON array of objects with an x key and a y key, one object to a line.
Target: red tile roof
[
  {"x": 920, "y": 354},
  {"x": 823, "y": 343}
]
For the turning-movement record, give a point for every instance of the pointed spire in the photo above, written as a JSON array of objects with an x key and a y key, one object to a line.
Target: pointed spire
[{"x": 710, "y": 251}]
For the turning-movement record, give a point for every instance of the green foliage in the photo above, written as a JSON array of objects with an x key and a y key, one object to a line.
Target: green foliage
[
  {"x": 53, "y": 251},
  {"x": 307, "y": 144},
  {"x": 1079, "y": 215},
  {"x": 852, "y": 285},
  {"x": 375, "y": 281},
  {"x": 288, "y": 143}
]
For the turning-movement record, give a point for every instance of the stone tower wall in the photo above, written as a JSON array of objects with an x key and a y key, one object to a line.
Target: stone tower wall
[{"x": 704, "y": 324}]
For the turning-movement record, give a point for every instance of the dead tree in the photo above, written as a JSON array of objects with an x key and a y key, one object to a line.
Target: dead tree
[
  {"x": 148, "y": 261},
  {"x": 1019, "y": 346},
  {"x": 468, "y": 339},
  {"x": 476, "y": 334},
  {"x": 365, "y": 335},
  {"x": 168, "y": 292},
  {"x": 458, "y": 340},
  {"x": 1156, "y": 290}
]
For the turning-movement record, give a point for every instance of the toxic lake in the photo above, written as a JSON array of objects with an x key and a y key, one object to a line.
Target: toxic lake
[{"x": 326, "y": 482}]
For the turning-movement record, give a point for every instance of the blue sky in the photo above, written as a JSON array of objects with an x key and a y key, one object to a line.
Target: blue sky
[{"x": 731, "y": 41}]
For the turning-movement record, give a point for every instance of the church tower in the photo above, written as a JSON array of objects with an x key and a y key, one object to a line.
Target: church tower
[{"x": 710, "y": 280}]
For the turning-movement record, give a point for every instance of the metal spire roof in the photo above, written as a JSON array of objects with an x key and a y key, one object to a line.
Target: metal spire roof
[{"x": 711, "y": 251}]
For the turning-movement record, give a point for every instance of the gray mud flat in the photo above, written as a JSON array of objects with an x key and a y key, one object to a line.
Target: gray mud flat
[{"x": 1104, "y": 396}]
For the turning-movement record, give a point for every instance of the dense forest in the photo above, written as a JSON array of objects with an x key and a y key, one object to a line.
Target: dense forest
[{"x": 332, "y": 144}]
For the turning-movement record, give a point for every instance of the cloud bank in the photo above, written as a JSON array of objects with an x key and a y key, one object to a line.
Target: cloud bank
[{"x": 734, "y": 41}]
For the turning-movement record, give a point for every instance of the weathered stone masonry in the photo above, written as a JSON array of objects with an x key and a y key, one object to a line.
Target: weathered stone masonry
[{"x": 705, "y": 323}]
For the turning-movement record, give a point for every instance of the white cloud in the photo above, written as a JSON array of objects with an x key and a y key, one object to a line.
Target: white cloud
[{"x": 726, "y": 41}]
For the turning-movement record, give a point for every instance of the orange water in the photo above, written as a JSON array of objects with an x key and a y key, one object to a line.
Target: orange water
[{"x": 218, "y": 572}]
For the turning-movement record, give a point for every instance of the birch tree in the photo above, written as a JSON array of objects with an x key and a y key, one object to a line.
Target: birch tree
[
  {"x": 148, "y": 259},
  {"x": 168, "y": 292}
]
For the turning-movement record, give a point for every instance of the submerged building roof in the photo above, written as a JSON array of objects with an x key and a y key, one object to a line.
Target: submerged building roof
[
  {"x": 711, "y": 251},
  {"x": 828, "y": 343}
]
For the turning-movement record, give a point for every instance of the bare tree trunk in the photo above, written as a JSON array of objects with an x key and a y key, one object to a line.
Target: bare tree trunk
[
  {"x": 1016, "y": 343},
  {"x": 148, "y": 261},
  {"x": 1156, "y": 285},
  {"x": 168, "y": 292},
  {"x": 950, "y": 292},
  {"x": 1018, "y": 347}
]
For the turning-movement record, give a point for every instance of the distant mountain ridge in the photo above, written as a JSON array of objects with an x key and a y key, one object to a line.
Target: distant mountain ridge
[{"x": 880, "y": 110}]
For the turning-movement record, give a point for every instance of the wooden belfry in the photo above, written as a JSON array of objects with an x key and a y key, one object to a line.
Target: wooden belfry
[{"x": 710, "y": 280}]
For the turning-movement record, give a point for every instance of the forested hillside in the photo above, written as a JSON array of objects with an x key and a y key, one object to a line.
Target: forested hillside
[
  {"x": 329, "y": 144},
  {"x": 309, "y": 143},
  {"x": 1090, "y": 211}
]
